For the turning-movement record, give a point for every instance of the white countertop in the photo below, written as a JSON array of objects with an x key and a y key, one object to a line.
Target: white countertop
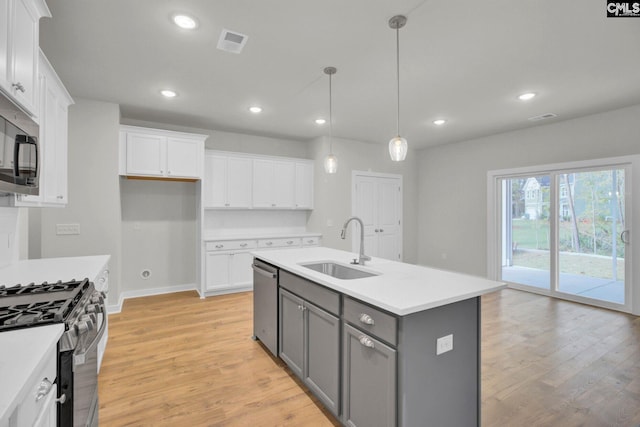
[
  {"x": 211, "y": 236},
  {"x": 399, "y": 288},
  {"x": 21, "y": 358},
  {"x": 52, "y": 270}
]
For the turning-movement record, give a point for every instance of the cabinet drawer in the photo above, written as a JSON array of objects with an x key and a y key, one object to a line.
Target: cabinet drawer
[
  {"x": 279, "y": 243},
  {"x": 230, "y": 245},
  {"x": 310, "y": 241},
  {"x": 319, "y": 295},
  {"x": 371, "y": 320},
  {"x": 30, "y": 407}
]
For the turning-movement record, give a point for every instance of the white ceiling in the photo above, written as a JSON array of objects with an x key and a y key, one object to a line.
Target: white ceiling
[{"x": 464, "y": 61}]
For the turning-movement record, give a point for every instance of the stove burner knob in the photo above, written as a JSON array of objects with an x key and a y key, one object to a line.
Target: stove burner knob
[
  {"x": 89, "y": 319},
  {"x": 96, "y": 299},
  {"x": 90, "y": 308},
  {"x": 82, "y": 327}
]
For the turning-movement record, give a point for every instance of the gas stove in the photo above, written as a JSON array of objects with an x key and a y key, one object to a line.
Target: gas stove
[
  {"x": 81, "y": 309},
  {"x": 36, "y": 305}
]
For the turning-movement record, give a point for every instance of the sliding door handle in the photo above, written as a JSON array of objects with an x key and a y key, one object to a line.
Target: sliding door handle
[{"x": 624, "y": 236}]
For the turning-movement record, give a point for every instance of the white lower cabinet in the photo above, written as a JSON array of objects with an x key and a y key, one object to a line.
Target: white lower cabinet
[
  {"x": 227, "y": 263},
  {"x": 39, "y": 407}
]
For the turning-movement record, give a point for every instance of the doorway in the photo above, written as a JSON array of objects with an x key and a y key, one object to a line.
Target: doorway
[{"x": 377, "y": 200}]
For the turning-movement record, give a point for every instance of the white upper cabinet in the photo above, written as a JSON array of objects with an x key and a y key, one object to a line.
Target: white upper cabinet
[
  {"x": 244, "y": 181},
  {"x": 227, "y": 182},
  {"x": 273, "y": 184},
  {"x": 160, "y": 154},
  {"x": 54, "y": 103},
  {"x": 19, "y": 47}
]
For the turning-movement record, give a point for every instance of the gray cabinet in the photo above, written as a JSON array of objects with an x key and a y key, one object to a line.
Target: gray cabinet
[
  {"x": 322, "y": 345},
  {"x": 292, "y": 331},
  {"x": 310, "y": 337},
  {"x": 372, "y": 368},
  {"x": 368, "y": 381}
]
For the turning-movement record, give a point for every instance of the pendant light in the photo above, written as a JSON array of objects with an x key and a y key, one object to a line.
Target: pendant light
[
  {"x": 398, "y": 145},
  {"x": 331, "y": 161}
]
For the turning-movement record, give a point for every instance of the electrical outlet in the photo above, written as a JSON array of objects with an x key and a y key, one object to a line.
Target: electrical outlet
[
  {"x": 444, "y": 344},
  {"x": 67, "y": 229}
]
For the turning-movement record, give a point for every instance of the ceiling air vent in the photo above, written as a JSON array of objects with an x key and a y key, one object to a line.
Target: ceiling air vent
[
  {"x": 231, "y": 41},
  {"x": 542, "y": 117}
]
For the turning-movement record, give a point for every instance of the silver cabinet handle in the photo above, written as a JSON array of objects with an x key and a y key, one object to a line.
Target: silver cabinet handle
[
  {"x": 227, "y": 204},
  {"x": 263, "y": 272},
  {"x": 60, "y": 197},
  {"x": 382, "y": 230},
  {"x": 219, "y": 246},
  {"x": 273, "y": 204},
  {"x": 269, "y": 243},
  {"x": 310, "y": 241},
  {"x": 243, "y": 245},
  {"x": 61, "y": 399},
  {"x": 18, "y": 86},
  {"x": 289, "y": 242},
  {"x": 366, "y": 319},
  {"x": 169, "y": 172},
  {"x": 366, "y": 341},
  {"x": 624, "y": 235},
  {"x": 302, "y": 307},
  {"x": 376, "y": 230},
  {"x": 43, "y": 389}
]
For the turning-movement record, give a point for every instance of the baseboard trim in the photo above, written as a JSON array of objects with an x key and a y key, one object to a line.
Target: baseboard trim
[{"x": 117, "y": 308}]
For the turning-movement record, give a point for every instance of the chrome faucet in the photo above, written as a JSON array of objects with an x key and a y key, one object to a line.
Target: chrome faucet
[{"x": 343, "y": 234}]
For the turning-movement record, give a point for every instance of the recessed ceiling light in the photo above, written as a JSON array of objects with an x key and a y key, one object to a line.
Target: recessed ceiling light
[
  {"x": 168, "y": 93},
  {"x": 439, "y": 122},
  {"x": 526, "y": 96},
  {"x": 255, "y": 109},
  {"x": 184, "y": 21},
  {"x": 320, "y": 121}
]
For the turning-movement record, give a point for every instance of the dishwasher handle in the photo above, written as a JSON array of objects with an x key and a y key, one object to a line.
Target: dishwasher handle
[{"x": 263, "y": 272}]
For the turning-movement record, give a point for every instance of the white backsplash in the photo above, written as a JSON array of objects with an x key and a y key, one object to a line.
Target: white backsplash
[{"x": 225, "y": 223}]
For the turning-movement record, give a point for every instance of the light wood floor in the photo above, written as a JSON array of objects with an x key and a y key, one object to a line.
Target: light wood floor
[{"x": 177, "y": 360}]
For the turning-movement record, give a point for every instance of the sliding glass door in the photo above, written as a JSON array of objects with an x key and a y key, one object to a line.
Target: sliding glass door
[
  {"x": 526, "y": 250},
  {"x": 563, "y": 233},
  {"x": 591, "y": 228}
]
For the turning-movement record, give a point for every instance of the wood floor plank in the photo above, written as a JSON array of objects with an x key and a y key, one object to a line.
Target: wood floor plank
[{"x": 178, "y": 360}]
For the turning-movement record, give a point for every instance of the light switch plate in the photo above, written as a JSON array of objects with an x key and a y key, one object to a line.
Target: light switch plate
[{"x": 444, "y": 344}]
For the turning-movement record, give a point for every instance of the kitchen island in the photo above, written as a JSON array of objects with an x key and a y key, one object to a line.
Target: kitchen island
[{"x": 400, "y": 347}]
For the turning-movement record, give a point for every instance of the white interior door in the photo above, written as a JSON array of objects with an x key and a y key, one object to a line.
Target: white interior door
[{"x": 377, "y": 200}]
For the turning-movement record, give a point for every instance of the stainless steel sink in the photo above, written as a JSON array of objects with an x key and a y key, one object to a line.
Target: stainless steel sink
[{"x": 338, "y": 271}]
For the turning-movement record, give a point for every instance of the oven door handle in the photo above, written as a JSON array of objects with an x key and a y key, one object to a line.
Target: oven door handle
[{"x": 79, "y": 358}]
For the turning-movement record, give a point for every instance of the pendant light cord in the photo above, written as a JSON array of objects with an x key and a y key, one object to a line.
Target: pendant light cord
[
  {"x": 398, "y": 76},
  {"x": 330, "y": 120}
]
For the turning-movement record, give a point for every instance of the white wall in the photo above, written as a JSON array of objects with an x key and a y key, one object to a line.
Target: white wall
[
  {"x": 332, "y": 198},
  {"x": 452, "y": 179},
  {"x": 94, "y": 195},
  {"x": 158, "y": 233}
]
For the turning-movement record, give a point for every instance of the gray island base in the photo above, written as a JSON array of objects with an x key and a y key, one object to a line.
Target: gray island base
[{"x": 371, "y": 366}]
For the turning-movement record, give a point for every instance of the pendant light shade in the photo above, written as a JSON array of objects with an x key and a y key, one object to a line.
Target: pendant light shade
[
  {"x": 398, "y": 145},
  {"x": 398, "y": 148},
  {"x": 331, "y": 161}
]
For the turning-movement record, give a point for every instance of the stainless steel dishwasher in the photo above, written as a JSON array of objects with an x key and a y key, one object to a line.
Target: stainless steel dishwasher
[{"x": 265, "y": 304}]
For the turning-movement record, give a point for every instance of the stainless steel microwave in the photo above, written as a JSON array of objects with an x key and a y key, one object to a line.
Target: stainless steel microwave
[{"x": 19, "y": 150}]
